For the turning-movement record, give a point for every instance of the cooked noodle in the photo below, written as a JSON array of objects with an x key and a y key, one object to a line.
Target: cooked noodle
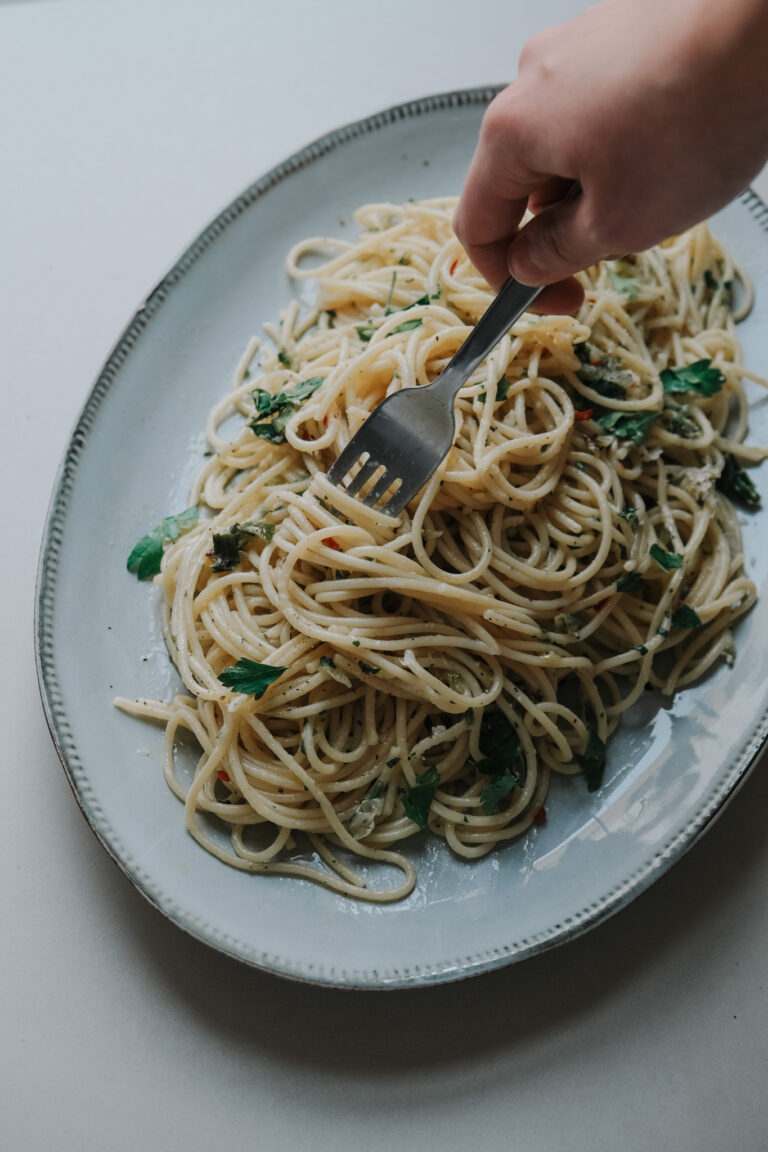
[{"x": 444, "y": 663}]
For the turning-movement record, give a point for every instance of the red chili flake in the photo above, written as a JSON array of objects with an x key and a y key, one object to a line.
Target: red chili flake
[
  {"x": 584, "y": 414},
  {"x": 454, "y": 266},
  {"x": 540, "y": 817},
  {"x": 222, "y": 775},
  {"x": 597, "y": 363},
  {"x": 325, "y": 420},
  {"x": 329, "y": 540}
]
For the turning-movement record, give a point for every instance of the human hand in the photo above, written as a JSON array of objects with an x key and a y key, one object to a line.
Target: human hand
[{"x": 658, "y": 110}]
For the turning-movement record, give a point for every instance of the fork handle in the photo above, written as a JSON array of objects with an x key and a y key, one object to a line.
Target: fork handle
[{"x": 509, "y": 305}]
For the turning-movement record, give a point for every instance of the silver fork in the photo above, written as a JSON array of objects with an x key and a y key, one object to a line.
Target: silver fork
[{"x": 410, "y": 433}]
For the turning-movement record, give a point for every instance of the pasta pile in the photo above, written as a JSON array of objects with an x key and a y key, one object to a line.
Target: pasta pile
[{"x": 355, "y": 677}]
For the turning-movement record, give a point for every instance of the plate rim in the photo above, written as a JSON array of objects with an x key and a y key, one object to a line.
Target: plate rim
[{"x": 45, "y": 600}]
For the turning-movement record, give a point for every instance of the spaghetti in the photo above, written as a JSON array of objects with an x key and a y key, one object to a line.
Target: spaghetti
[{"x": 577, "y": 546}]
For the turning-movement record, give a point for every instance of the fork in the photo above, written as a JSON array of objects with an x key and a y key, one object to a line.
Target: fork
[{"x": 409, "y": 434}]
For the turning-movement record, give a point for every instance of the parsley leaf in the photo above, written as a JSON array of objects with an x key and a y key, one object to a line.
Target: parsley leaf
[
  {"x": 592, "y": 760},
  {"x": 629, "y": 581},
  {"x": 500, "y": 746},
  {"x": 250, "y": 677},
  {"x": 737, "y": 484},
  {"x": 697, "y": 377},
  {"x": 145, "y": 558},
  {"x": 629, "y": 285},
  {"x": 407, "y": 325},
  {"x": 685, "y": 617},
  {"x": 418, "y": 800},
  {"x": 628, "y": 425},
  {"x": 280, "y": 408},
  {"x": 371, "y": 669},
  {"x": 496, "y": 789},
  {"x": 502, "y": 388},
  {"x": 664, "y": 559},
  {"x": 365, "y": 332},
  {"x": 629, "y": 513},
  {"x": 227, "y": 545}
]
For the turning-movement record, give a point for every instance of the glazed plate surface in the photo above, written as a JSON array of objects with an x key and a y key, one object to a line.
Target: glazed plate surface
[{"x": 135, "y": 450}]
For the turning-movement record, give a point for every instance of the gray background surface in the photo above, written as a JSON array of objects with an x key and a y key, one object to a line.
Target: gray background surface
[{"x": 125, "y": 127}]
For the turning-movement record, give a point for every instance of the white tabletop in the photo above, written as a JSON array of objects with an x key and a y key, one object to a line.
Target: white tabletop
[{"x": 126, "y": 126}]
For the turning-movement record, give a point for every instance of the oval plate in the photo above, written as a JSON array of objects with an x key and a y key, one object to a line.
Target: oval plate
[{"x": 136, "y": 447}]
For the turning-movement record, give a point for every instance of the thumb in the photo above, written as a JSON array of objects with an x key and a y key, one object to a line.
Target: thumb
[{"x": 554, "y": 244}]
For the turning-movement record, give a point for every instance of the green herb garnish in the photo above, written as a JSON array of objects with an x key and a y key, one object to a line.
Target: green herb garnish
[
  {"x": 146, "y": 557},
  {"x": 227, "y": 545},
  {"x": 250, "y": 677},
  {"x": 592, "y": 760},
  {"x": 629, "y": 581},
  {"x": 418, "y": 800},
  {"x": 407, "y": 325},
  {"x": 685, "y": 617},
  {"x": 278, "y": 409},
  {"x": 664, "y": 559},
  {"x": 697, "y": 377},
  {"x": 738, "y": 486},
  {"x": 502, "y": 388},
  {"x": 629, "y": 514},
  {"x": 371, "y": 669},
  {"x": 500, "y": 746},
  {"x": 629, "y": 285},
  {"x": 628, "y": 425}
]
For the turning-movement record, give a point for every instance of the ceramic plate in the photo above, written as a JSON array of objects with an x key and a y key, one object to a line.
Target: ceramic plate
[{"x": 136, "y": 447}]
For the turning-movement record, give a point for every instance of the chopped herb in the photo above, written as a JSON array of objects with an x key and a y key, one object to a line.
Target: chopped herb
[
  {"x": 250, "y": 677},
  {"x": 145, "y": 558},
  {"x": 664, "y": 559},
  {"x": 641, "y": 648},
  {"x": 496, "y": 789},
  {"x": 227, "y": 545},
  {"x": 391, "y": 763},
  {"x": 280, "y": 408},
  {"x": 592, "y": 760},
  {"x": 629, "y": 285},
  {"x": 500, "y": 746},
  {"x": 697, "y": 377},
  {"x": 418, "y": 800},
  {"x": 365, "y": 332},
  {"x": 407, "y": 325},
  {"x": 502, "y": 388},
  {"x": 603, "y": 374},
  {"x": 629, "y": 513},
  {"x": 285, "y": 359},
  {"x": 387, "y": 308},
  {"x": 355, "y": 643},
  {"x": 629, "y": 582},
  {"x": 738, "y": 486},
  {"x": 371, "y": 669},
  {"x": 685, "y": 617},
  {"x": 327, "y": 662},
  {"x": 628, "y": 425}
]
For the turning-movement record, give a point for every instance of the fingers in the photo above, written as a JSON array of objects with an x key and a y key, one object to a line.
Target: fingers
[
  {"x": 554, "y": 244},
  {"x": 560, "y": 299},
  {"x": 495, "y": 193}
]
